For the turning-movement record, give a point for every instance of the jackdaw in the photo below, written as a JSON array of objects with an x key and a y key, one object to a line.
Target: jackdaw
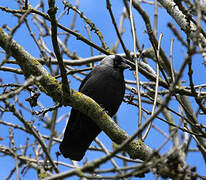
[{"x": 104, "y": 84}]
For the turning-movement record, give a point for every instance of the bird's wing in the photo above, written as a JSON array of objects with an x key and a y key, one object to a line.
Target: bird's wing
[{"x": 85, "y": 79}]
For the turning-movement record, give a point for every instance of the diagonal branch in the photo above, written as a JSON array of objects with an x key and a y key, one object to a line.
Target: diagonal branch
[
  {"x": 86, "y": 105},
  {"x": 186, "y": 24},
  {"x": 52, "y": 14}
]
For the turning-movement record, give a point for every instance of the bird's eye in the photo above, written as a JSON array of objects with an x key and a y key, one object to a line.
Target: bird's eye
[{"x": 117, "y": 61}]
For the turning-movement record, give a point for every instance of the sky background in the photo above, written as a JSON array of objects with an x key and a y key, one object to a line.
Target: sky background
[{"x": 127, "y": 114}]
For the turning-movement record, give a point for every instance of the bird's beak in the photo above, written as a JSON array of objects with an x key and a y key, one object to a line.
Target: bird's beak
[{"x": 124, "y": 65}]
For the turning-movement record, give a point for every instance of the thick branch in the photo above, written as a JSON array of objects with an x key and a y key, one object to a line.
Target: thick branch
[
  {"x": 185, "y": 23},
  {"x": 52, "y": 87}
]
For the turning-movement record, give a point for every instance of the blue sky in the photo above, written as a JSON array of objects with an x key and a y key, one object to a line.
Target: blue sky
[{"x": 127, "y": 114}]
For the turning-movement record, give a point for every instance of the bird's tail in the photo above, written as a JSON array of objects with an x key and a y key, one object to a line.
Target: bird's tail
[{"x": 79, "y": 134}]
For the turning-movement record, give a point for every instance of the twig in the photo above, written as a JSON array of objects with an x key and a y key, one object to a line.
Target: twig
[
  {"x": 136, "y": 69},
  {"x": 116, "y": 29},
  {"x": 33, "y": 131},
  {"x": 156, "y": 86},
  {"x": 155, "y": 17},
  {"x": 11, "y": 136},
  {"x": 65, "y": 83},
  {"x": 89, "y": 22},
  {"x": 18, "y": 90}
]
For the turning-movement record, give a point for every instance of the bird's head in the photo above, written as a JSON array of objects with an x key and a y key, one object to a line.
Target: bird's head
[{"x": 115, "y": 61}]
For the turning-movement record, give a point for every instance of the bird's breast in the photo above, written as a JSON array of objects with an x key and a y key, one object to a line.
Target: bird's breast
[{"x": 108, "y": 93}]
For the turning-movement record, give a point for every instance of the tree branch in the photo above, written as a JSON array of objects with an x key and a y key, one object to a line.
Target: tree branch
[{"x": 86, "y": 105}]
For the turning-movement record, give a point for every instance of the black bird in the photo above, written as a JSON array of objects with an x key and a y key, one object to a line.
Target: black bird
[{"x": 105, "y": 84}]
